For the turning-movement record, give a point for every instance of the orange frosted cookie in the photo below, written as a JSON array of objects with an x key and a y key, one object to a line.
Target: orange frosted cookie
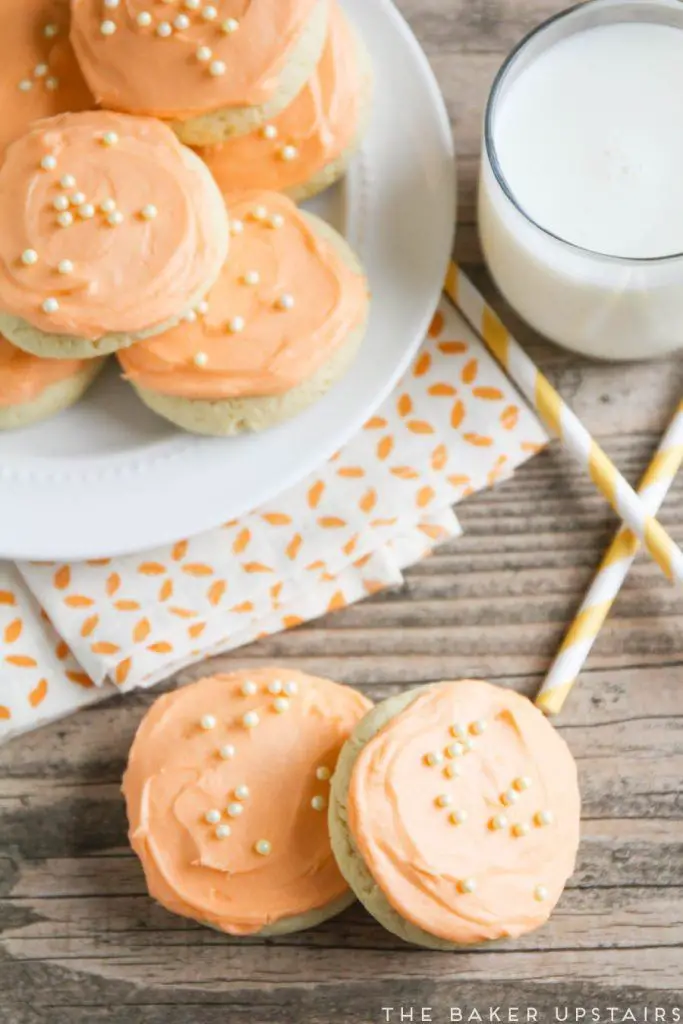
[
  {"x": 213, "y": 69},
  {"x": 111, "y": 229},
  {"x": 455, "y": 814},
  {"x": 33, "y": 389},
  {"x": 308, "y": 146},
  {"x": 226, "y": 790},
  {"x": 281, "y": 324},
  {"x": 40, "y": 74}
]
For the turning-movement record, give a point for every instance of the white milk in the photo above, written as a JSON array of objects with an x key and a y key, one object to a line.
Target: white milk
[{"x": 589, "y": 139}]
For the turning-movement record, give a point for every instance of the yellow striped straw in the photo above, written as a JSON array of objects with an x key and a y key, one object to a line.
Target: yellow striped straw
[
  {"x": 558, "y": 417},
  {"x": 613, "y": 570}
]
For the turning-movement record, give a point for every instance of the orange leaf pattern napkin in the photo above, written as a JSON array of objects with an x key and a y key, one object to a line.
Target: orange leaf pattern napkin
[{"x": 454, "y": 425}]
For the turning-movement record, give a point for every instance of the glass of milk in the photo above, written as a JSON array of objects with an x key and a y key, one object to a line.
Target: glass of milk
[{"x": 581, "y": 189}]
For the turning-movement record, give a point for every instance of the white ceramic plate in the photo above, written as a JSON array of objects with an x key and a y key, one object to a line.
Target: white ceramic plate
[{"x": 108, "y": 477}]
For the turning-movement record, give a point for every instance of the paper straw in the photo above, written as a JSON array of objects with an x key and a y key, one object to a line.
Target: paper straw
[
  {"x": 558, "y": 417},
  {"x": 613, "y": 570}
]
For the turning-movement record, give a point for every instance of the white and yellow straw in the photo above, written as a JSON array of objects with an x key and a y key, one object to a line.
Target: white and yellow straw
[
  {"x": 558, "y": 417},
  {"x": 613, "y": 571}
]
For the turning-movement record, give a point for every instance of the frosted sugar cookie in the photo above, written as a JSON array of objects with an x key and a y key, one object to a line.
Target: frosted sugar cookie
[
  {"x": 33, "y": 389},
  {"x": 212, "y": 69},
  {"x": 40, "y": 74},
  {"x": 227, "y": 788},
  {"x": 308, "y": 146},
  {"x": 280, "y": 326},
  {"x": 111, "y": 229},
  {"x": 455, "y": 814}
]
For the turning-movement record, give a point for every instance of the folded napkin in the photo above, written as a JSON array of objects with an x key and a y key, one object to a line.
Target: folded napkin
[{"x": 75, "y": 633}]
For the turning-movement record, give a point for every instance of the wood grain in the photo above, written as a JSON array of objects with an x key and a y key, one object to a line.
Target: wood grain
[{"x": 81, "y": 942}]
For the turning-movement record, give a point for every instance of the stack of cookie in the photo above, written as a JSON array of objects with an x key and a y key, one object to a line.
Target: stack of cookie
[{"x": 230, "y": 309}]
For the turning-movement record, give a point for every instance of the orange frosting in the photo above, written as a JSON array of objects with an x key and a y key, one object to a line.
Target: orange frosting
[
  {"x": 483, "y": 854},
  {"x": 125, "y": 276},
  {"x": 147, "y": 64},
  {"x": 320, "y": 124},
  {"x": 244, "y": 342},
  {"x": 193, "y": 753},
  {"x": 24, "y": 377},
  {"x": 40, "y": 75}
]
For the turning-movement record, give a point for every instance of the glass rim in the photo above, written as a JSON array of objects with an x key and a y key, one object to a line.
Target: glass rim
[{"x": 490, "y": 146}]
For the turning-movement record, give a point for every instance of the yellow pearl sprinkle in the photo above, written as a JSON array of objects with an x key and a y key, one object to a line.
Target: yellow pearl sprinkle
[
  {"x": 520, "y": 829},
  {"x": 467, "y": 885},
  {"x": 522, "y": 783},
  {"x": 458, "y": 817}
]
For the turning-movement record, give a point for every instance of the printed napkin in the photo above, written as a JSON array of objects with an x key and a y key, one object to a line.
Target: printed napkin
[{"x": 75, "y": 633}]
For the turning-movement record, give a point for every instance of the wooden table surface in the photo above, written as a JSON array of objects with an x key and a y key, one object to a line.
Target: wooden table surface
[{"x": 82, "y": 943}]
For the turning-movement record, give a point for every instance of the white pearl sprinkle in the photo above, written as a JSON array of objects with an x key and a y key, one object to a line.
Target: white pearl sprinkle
[
  {"x": 478, "y": 726},
  {"x": 229, "y": 26},
  {"x": 202, "y": 307},
  {"x": 204, "y": 54},
  {"x": 108, "y": 28},
  {"x": 497, "y": 822},
  {"x": 115, "y": 218},
  {"x": 468, "y": 885},
  {"x": 455, "y": 750},
  {"x": 269, "y": 131},
  {"x": 510, "y": 796},
  {"x": 50, "y": 31},
  {"x": 236, "y": 324},
  {"x": 318, "y": 803},
  {"x": 242, "y": 792},
  {"x": 285, "y": 301},
  {"x": 212, "y": 817},
  {"x": 48, "y": 163},
  {"x": 458, "y": 817},
  {"x": 274, "y": 687},
  {"x": 458, "y": 730},
  {"x": 110, "y": 138},
  {"x": 208, "y": 722},
  {"x": 520, "y": 829},
  {"x": 234, "y": 810},
  {"x": 65, "y": 219},
  {"x": 51, "y": 83},
  {"x": 149, "y": 211},
  {"x": 291, "y": 688},
  {"x": 281, "y": 704},
  {"x": 251, "y": 277},
  {"x": 60, "y": 203},
  {"x": 522, "y": 783},
  {"x": 276, "y": 220},
  {"x": 144, "y": 19},
  {"x": 217, "y": 68},
  {"x": 164, "y": 29},
  {"x": 29, "y": 257},
  {"x": 250, "y": 720},
  {"x": 65, "y": 266},
  {"x": 111, "y": 4},
  {"x": 25, "y": 85},
  {"x": 263, "y": 847},
  {"x": 50, "y": 306},
  {"x": 223, "y": 831},
  {"x": 289, "y": 153},
  {"x": 107, "y": 206},
  {"x": 86, "y": 211},
  {"x": 543, "y": 818},
  {"x": 443, "y": 800},
  {"x": 67, "y": 181},
  {"x": 189, "y": 316},
  {"x": 236, "y": 227},
  {"x": 77, "y": 198},
  {"x": 209, "y": 13},
  {"x": 451, "y": 771},
  {"x": 227, "y": 751},
  {"x": 191, "y": 5},
  {"x": 259, "y": 213},
  {"x": 248, "y": 688},
  {"x": 433, "y": 758},
  {"x": 323, "y": 773},
  {"x": 540, "y": 893},
  {"x": 181, "y": 22},
  {"x": 40, "y": 70}
]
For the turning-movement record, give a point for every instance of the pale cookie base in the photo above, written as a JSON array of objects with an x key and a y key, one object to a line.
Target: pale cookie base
[
  {"x": 331, "y": 173},
  {"x": 70, "y": 346},
  {"x": 347, "y": 855},
  {"x": 298, "y": 923},
  {"x": 227, "y": 417},
  {"x": 54, "y": 399},
  {"x": 219, "y": 125}
]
